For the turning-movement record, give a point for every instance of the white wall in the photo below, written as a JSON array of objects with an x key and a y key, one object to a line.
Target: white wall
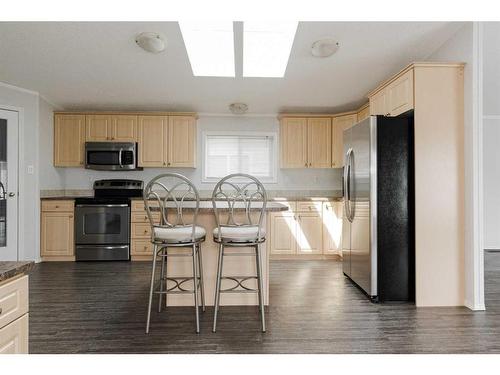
[
  {"x": 29, "y": 202},
  {"x": 288, "y": 179},
  {"x": 491, "y": 133}
]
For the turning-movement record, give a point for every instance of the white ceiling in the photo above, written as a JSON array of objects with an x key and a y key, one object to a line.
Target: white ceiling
[{"x": 98, "y": 66}]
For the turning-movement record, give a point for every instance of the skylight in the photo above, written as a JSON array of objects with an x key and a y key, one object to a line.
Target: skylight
[
  {"x": 266, "y": 48},
  {"x": 210, "y": 47}
]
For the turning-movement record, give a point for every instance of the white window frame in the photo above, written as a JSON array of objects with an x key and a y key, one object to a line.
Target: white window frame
[{"x": 274, "y": 152}]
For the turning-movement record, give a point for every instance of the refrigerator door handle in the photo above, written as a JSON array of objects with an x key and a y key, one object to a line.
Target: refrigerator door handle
[{"x": 347, "y": 181}]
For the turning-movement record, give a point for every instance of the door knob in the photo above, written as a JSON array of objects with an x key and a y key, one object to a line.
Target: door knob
[{"x": 11, "y": 194}]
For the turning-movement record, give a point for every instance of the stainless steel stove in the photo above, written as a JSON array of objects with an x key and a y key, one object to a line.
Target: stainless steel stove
[{"x": 102, "y": 223}]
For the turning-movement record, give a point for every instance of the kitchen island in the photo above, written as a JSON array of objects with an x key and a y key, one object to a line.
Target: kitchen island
[{"x": 182, "y": 266}]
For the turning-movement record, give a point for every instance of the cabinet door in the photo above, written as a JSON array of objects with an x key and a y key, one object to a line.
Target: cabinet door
[
  {"x": 14, "y": 336},
  {"x": 339, "y": 124},
  {"x": 181, "y": 141},
  {"x": 379, "y": 103},
  {"x": 124, "y": 128},
  {"x": 309, "y": 233},
  {"x": 69, "y": 140},
  {"x": 293, "y": 140},
  {"x": 57, "y": 234},
  {"x": 98, "y": 128},
  {"x": 283, "y": 233},
  {"x": 400, "y": 94},
  {"x": 364, "y": 113},
  {"x": 319, "y": 142},
  {"x": 152, "y": 139},
  {"x": 332, "y": 228}
]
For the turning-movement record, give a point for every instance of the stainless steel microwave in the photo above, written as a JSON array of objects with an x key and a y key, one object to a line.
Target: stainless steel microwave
[{"x": 111, "y": 156}]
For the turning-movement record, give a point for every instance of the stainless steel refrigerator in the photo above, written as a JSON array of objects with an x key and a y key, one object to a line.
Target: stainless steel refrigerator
[{"x": 378, "y": 220}]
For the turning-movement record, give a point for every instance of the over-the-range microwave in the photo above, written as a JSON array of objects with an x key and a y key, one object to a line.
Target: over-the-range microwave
[{"x": 111, "y": 156}]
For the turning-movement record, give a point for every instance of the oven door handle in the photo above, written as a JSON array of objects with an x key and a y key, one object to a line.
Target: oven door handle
[{"x": 102, "y": 205}]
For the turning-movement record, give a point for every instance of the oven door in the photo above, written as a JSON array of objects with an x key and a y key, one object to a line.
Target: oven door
[
  {"x": 110, "y": 156},
  {"x": 102, "y": 224}
]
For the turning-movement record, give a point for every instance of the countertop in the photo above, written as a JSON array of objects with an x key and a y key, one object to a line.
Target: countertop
[
  {"x": 273, "y": 195},
  {"x": 9, "y": 270},
  {"x": 206, "y": 206}
]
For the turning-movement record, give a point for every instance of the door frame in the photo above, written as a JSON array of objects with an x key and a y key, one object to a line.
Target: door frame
[{"x": 20, "y": 177}]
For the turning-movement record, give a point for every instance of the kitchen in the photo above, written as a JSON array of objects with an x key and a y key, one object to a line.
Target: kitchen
[{"x": 97, "y": 150}]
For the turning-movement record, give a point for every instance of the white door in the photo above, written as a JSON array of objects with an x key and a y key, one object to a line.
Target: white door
[{"x": 9, "y": 123}]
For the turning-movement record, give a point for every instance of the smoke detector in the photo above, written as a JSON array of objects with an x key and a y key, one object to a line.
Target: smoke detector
[
  {"x": 238, "y": 108},
  {"x": 324, "y": 47},
  {"x": 151, "y": 42}
]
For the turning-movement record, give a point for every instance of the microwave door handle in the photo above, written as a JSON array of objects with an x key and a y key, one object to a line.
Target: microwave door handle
[{"x": 120, "y": 158}]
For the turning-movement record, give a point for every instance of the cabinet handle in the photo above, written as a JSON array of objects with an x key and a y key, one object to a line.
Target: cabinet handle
[
  {"x": 388, "y": 114},
  {"x": 168, "y": 163},
  {"x": 0, "y": 311},
  {"x": 71, "y": 216},
  {"x": 164, "y": 163},
  {"x": 310, "y": 164},
  {"x": 305, "y": 164}
]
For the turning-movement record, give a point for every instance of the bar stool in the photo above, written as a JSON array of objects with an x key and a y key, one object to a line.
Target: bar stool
[
  {"x": 174, "y": 192},
  {"x": 238, "y": 196}
]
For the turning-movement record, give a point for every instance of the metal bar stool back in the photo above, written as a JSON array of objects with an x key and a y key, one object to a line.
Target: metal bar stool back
[
  {"x": 239, "y": 202},
  {"x": 166, "y": 197}
]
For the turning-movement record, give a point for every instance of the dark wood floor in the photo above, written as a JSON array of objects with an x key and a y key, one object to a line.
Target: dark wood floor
[{"x": 101, "y": 308}]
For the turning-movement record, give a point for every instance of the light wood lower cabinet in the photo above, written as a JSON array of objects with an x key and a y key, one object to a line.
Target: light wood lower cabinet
[
  {"x": 14, "y": 318},
  {"x": 57, "y": 230},
  {"x": 140, "y": 232},
  {"x": 308, "y": 228},
  {"x": 283, "y": 233}
]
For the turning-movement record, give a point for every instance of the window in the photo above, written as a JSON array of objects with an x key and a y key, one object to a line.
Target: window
[{"x": 228, "y": 152}]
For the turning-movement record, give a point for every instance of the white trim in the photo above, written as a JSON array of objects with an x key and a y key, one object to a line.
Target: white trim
[
  {"x": 21, "y": 89},
  {"x": 20, "y": 197},
  {"x": 475, "y": 298},
  {"x": 274, "y": 167}
]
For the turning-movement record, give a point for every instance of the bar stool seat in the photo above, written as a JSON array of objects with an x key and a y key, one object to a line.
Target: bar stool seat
[
  {"x": 178, "y": 234},
  {"x": 248, "y": 234}
]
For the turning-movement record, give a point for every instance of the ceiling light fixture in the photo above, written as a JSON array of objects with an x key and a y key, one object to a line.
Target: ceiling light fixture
[
  {"x": 267, "y": 47},
  {"x": 238, "y": 108},
  {"x": 210, "y": 47},
  {"x": 324, "y": 47},
  {"x": 151, "y": 42}
]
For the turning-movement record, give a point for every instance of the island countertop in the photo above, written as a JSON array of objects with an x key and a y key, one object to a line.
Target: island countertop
[
  {"x": 9, "y": 270},
  {"x": 207, "y": 206}
]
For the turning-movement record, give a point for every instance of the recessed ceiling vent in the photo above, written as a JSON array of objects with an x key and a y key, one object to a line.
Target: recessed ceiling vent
[
  {"x": 324, "y": 47},
  {"x": 151, "y": 42},
  {"x": 238, "y": 108}
]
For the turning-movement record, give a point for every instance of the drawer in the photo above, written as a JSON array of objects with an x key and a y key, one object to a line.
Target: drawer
[
  {"x": 138, "y": 205},
  {"x": 141, "y": 247},
  {"x": 141, "y": 230},
  {"x": 309, "y": 206},
  {"x": 142, "y": 217},
  {"x": 62, "y": 205},
  {"x": 13, "y": 300},
  {"x": 14, "y": 336}
]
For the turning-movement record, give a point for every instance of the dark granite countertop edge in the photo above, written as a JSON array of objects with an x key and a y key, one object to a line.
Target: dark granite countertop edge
[{"x": 9, "y": 270}]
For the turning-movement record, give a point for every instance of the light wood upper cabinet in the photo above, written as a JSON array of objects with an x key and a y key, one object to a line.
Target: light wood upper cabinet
[
  {"x": 123, "y": 128},
  {"x": 293, "y": 141},
  {"x": 395, "y": 98},
  {"x": 114, "y": 128},
  {"x": 69, "y": 140},
  {"x": 400, "y": 93},
  {"x": 379, "y": 104},
  {"x": 181, "y": 141},
  {"x": 57, "y": 230},
  {"x": 98, "y": 128},
  {"x": 339, "y": 124},
  {"x": 319, "y": 145},
  {"x": 152, "y": 139},
  {"x": 363, "y": 113}
]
